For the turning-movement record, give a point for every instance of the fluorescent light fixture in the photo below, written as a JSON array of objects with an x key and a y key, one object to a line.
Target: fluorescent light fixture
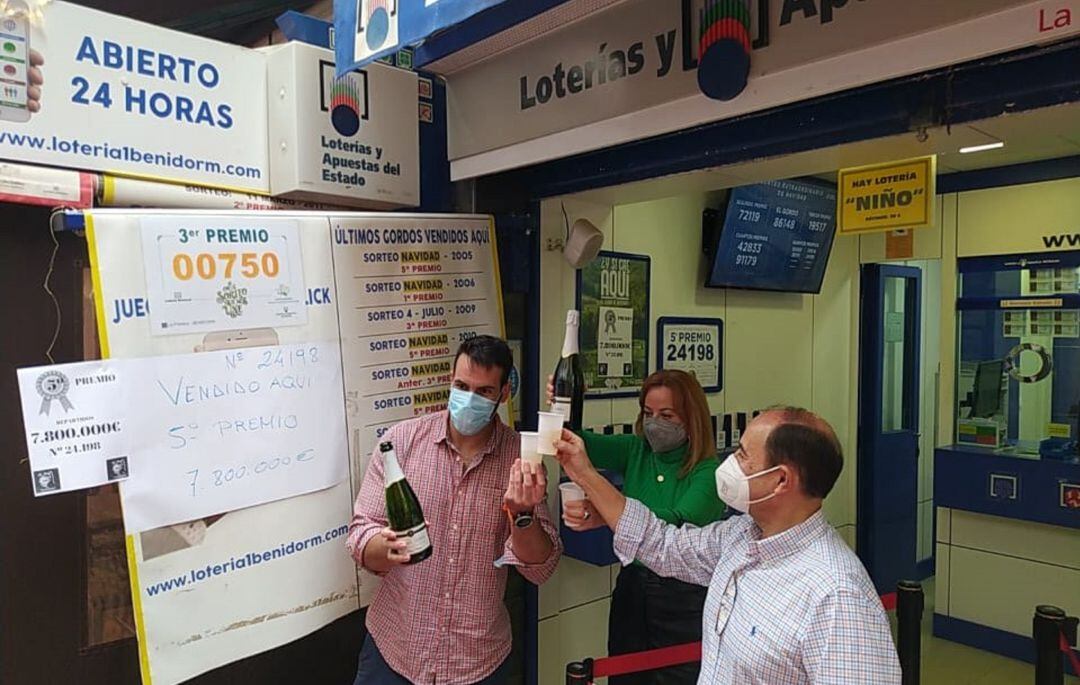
[{"x": 982, "y": 148}]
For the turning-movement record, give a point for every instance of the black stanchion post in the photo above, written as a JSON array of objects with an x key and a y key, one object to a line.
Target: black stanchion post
[
  {"x": 1046, "y": 628},
  {"x": 579, "y": 672},
  {"x": 909, "y": 611}
]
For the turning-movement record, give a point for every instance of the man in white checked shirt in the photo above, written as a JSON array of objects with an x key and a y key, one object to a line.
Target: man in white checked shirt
[{"x": 788, "y": 602}]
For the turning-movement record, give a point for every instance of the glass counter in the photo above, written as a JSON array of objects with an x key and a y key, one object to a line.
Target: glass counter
[
  {"x": 1018, "y": 356},
  {"x": 1017, "y": 391}
]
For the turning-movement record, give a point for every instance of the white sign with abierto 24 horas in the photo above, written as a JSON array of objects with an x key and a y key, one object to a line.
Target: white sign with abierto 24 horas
[
  {"x": 211, "y": 273},
  {"x": 84, "y": 89},
  {"x": 202, "y": 434}
]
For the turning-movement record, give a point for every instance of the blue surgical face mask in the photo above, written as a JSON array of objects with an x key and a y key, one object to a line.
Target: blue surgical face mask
[{"x": 470, "y": 412}]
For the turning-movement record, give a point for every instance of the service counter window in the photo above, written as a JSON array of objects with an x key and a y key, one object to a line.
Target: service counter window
[{"x": 1018, "y": 362}]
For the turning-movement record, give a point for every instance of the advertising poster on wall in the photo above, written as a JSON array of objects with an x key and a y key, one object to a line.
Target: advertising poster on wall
[
  {"x": 411, "y": 289},
  {"x": 885, "y": 197},
  {"x": 516, "y": 349},
  {"x": 613, "y": 298},
  {"x": 236, "y": 582},
  {"x": 83, "y": 89},
  {"x": 77, "y": 434},
  {"x": 216, "y": 589}
]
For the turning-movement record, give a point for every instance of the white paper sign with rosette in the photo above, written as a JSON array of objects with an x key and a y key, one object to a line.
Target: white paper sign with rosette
[{"x": 76, "y": 433}]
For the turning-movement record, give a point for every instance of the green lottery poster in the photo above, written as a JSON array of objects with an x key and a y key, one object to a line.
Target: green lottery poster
[{"x": 613, "y": 297}]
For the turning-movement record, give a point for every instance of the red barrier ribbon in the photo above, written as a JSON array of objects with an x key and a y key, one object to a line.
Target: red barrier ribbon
[
  {"x": 889, "y": 601},
  {"x": 1067, "y": 648},
  {"x": 690, "y": 653},
  {"x": 646, "y": 661}
]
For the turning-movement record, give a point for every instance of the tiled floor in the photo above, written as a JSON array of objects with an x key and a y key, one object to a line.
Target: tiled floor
[{"x": 949, "y": 663}]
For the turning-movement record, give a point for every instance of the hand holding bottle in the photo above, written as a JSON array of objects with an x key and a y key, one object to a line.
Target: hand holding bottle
[
  {"x": 387, "y": 551},
  {"x": 551, "y": 390},
  {"x": 408, "y": 526}
]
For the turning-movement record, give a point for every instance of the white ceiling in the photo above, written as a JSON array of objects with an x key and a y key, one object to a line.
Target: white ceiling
[
  {"x": 1040, "y": 134},
  {"x": 1046, "y": 133}
]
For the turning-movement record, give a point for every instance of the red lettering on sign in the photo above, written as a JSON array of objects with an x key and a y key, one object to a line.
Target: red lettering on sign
[{"x": 1061, "y": 19}]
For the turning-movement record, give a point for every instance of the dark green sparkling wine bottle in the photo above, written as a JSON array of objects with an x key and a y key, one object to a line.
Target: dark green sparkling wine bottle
[
  {"x": 568, "y": 379},
  {"x": 403, "y": 508}
]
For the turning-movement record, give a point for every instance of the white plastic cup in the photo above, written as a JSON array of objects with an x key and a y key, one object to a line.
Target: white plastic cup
[
  {"x": 570, "y": 492},
  {"x": 528, "y": 448},
  {"x": 549, "y": 431}
]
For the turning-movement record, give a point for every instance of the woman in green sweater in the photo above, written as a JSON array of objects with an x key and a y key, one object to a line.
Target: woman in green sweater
[{"x": 669, "y": 465}]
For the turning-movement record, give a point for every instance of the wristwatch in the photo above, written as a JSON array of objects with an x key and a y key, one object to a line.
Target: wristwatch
[{"x": 523, "y": 520}]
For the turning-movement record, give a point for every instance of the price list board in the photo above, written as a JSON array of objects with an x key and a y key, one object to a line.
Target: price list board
[
  {"x": 410, "y": 290},
  {"x": 776, "y": 236}
]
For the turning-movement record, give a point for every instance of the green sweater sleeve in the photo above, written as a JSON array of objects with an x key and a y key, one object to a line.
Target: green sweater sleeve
[
  {"x": 699, "y": 504},
  {"x": 611, "y": 452}
]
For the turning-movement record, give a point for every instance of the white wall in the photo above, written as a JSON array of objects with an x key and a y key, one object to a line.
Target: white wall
[{"x": 994, "y": 571}]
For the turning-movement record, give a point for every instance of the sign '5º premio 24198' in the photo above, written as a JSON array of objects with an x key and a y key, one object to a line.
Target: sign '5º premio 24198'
[{"x": 217, "y": 273}]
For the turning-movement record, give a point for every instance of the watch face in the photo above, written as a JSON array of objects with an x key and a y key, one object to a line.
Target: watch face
[{"x": 523, "y": 520}]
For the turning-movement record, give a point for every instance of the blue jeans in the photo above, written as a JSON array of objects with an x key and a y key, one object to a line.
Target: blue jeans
[{"x": 373, "y": 669}]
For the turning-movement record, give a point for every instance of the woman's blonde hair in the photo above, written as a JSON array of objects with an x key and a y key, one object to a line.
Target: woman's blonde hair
[{"x": 692, "y": 408}]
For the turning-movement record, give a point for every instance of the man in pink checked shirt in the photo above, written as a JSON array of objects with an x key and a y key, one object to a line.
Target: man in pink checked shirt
[{"x": 442, "y": 621}]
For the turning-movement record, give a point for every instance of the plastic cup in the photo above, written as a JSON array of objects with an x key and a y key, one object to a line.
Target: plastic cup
[
  {"x": 549, "y": 431},
  {"x": 571, "y": 492},
  {"x": 528, "y": 448}
]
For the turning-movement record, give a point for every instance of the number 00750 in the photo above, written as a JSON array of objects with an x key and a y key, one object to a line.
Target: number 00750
[{"x": 207, "y": 266}]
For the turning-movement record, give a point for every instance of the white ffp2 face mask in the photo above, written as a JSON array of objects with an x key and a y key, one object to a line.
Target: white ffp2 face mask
[{"x": 733, "y": 486}]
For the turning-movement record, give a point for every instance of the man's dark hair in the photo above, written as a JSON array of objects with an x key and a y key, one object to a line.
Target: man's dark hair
[
  {"x": 806, "y": 442},
  {"x": 488, "y": 351}
]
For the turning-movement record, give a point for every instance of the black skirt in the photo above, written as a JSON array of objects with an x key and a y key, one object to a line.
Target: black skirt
[{"x": 648, "y": 612}]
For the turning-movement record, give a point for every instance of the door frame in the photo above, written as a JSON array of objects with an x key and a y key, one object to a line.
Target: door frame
[{"x": 870, "y": 409}]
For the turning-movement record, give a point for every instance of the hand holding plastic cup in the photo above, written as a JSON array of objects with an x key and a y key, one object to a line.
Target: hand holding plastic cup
[
  {"x": 570, "y": 492},
  {"x": 549, "y": 431},
  {"x": 529, "y": 451}
]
